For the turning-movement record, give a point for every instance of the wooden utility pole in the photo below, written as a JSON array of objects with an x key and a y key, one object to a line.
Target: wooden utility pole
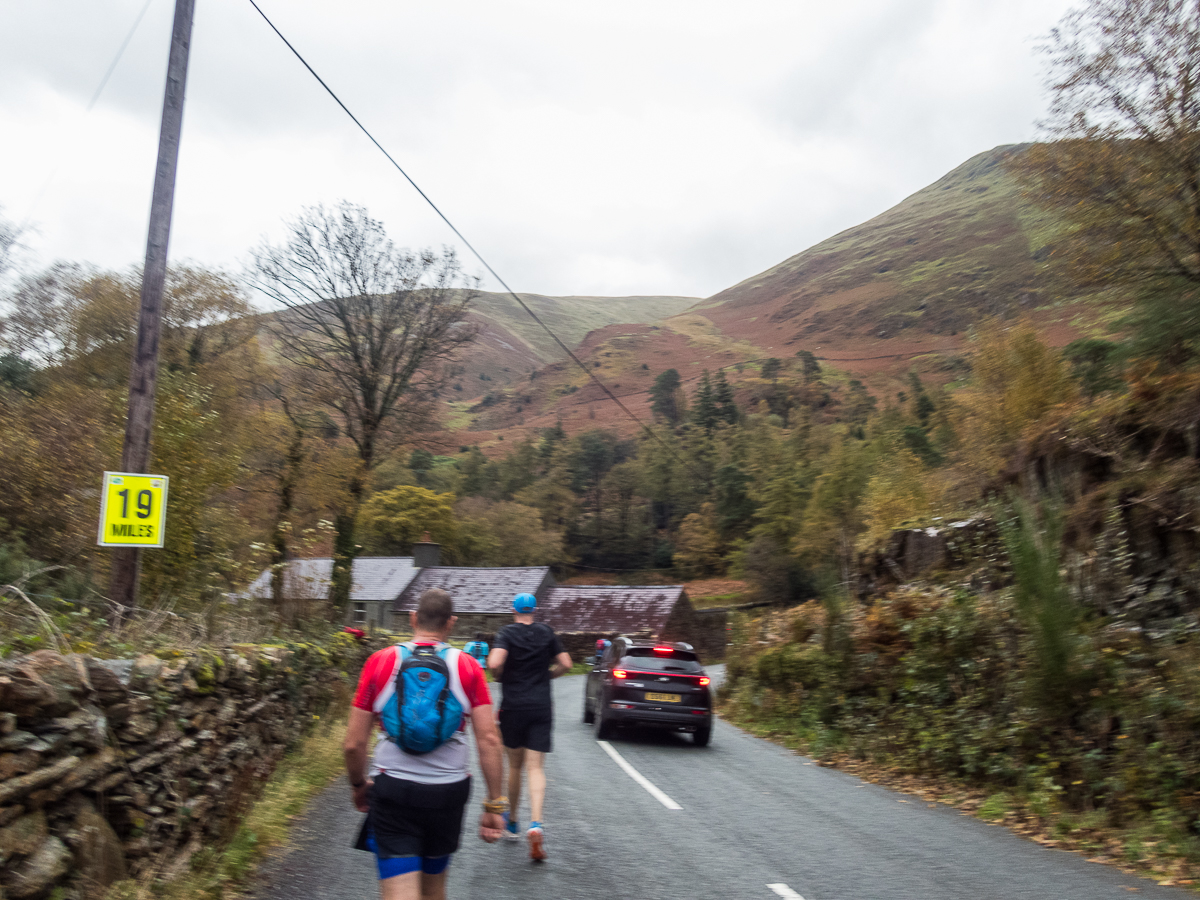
[{"x": 143, "y": 376}]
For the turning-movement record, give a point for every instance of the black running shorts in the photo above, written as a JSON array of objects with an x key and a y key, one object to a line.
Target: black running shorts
[
  {"x": 412, "y": 819},
  {"x": 528, "y": 728}
]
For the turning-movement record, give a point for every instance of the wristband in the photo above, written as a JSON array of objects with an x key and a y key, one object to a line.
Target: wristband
[
  {"x": 360, "y": 784},
  {"x": 498, "y": 806}
]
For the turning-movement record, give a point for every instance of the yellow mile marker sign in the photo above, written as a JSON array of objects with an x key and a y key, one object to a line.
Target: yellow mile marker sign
[{"x": 133, "y": 510}]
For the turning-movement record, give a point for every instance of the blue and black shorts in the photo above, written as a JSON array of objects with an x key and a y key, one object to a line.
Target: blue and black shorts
[{"x": 412, "y": 826}]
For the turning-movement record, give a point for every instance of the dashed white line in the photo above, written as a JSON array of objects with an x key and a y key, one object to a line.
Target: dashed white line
[
  {"x": 784, "y": 891},
  {"x": 640, "y": 778}
]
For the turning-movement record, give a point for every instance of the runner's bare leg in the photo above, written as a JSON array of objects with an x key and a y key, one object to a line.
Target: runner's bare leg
[
  {"x": 433, "y": 887},
  {"x": 516, "y": 762},
  {"x": 414, "y": 886},
  {"x": 401, "y": 887},
  {"x": 535, "y": 763}
]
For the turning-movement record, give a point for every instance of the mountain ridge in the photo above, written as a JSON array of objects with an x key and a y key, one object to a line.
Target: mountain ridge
[{"x": 898, "y": 291}]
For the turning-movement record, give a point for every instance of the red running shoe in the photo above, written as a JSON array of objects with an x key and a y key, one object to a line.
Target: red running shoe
[{"x": 537, "y": 849}]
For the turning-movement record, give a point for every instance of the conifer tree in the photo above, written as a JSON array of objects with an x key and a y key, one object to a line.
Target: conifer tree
[
  {"x": 809, "y": 365},
  {"x": 664, "y": 396},
  {"x": 922, "y": 405},
  {"x": 726, "y": 407},
  {"x": 704, "y": 407}
]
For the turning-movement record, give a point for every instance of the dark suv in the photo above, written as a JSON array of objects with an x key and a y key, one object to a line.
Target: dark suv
[{"x": 658, "y": 685}]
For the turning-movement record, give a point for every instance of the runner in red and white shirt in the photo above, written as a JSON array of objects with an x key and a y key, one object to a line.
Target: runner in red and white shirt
[
  {"x": 415, "y": 802},
  {"x": 448, "y": 762}
]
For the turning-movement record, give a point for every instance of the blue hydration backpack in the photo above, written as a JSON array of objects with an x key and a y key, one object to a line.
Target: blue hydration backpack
[{"x": 423, "y": 713}]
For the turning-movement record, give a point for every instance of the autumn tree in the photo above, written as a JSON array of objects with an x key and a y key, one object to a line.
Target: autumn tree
[
  {"x": 504, "y": 534},
  {"x": 392, "y": 521},
  {"x": 373, "y": 325},
  {"x": 1123, "y": 164},
  {"x": 896, "y": 494},
  {"x": 697, "y": 550},
  {"x": 73, "y": 328}
]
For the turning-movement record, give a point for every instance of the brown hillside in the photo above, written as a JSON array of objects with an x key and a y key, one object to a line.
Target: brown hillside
[{"x": 897, "y": 291}]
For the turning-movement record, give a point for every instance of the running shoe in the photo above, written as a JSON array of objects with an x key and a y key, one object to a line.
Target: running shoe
[
  {"x": 537, "y": 849},
  {"x": 511, "y": 831}
]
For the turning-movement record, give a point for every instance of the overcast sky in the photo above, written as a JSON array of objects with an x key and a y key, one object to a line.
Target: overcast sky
[{"x": 615, "y": 147}]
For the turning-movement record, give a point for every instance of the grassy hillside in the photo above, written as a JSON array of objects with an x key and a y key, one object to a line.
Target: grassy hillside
[
  {"x": 967, "y": 246},
  {"x": 511, "y": 343}
]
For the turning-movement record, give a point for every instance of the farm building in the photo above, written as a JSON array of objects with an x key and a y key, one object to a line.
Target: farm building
[
  {"x": 482, "y": 596},
  {"x": 375, "y": 583},
  {"x": 385, "y": 589}
]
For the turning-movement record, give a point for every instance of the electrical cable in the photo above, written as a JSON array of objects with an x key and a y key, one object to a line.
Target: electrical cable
[
  {"x": 570, "y": 353},
  {"x": 112, "y": 68},
  {"x": 91, "y": 103}
]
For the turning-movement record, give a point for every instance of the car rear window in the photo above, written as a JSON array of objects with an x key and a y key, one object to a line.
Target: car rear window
[{"x": 646, "y": 659}]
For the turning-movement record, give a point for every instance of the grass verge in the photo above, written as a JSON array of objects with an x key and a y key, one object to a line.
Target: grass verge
[{"x": 219, "y": 874}]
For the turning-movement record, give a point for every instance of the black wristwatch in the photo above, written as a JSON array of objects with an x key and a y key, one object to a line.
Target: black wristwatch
[{"x": 360, "y": 784}]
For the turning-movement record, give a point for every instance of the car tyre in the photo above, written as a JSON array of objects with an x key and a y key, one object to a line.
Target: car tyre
[
  {"x": 588, "y": 715},
  {"x": 604, "y": 728},
  {"x": 702, "y": 736}
]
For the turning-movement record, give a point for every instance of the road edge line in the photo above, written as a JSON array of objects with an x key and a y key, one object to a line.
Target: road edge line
[
  {"x": 638, "y": 776},
  {"x": 784, "y": 891}
]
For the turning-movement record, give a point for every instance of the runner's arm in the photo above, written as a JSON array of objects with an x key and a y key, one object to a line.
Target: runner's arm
[
  {"x": 354, "y": 748},
  {"x": 495, "y": 661},
  {"x": 562, "y": 665},
  {"x": 491, "y": 762}
]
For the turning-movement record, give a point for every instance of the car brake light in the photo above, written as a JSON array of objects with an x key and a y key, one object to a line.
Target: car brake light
[
  {"x": 703, "y": 682},
  {"x": 619, "y": 673},
  {"x": 664, "y": 649}
]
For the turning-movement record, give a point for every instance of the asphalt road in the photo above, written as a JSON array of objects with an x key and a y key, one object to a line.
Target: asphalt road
[{"x": 757, "y": 821}]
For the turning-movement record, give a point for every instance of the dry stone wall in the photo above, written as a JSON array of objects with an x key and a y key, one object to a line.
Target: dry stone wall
[{"x": 112, "y": 768}]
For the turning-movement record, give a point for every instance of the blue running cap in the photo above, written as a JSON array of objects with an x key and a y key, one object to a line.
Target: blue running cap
[{"x": 524, "y": 603}]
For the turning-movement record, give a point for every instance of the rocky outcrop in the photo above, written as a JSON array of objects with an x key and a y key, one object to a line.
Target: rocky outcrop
[
  {"x": 915, "y": 552},
  {"x": 110, "y": 767}
]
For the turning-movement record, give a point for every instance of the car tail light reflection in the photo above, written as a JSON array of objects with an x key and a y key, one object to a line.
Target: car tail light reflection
[
  {"x": 703, "y": 681},
  {"x": 620, "y": 673}
]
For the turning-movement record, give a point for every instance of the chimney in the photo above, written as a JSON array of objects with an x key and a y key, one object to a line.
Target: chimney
[{"x": 426, "y": 553}]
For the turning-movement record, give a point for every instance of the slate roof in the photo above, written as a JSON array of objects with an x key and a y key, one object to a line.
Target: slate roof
[
  {"x": 478, "y": 590},
  {"x": 609, "y": 607},
  {"x": 374, "y": 578}
]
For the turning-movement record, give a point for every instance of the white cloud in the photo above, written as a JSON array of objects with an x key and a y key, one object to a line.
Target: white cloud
[{"x": 586, "y": 148}]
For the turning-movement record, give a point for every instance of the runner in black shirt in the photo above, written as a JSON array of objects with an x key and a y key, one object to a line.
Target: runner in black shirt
[{"x": 525, "y": 657}]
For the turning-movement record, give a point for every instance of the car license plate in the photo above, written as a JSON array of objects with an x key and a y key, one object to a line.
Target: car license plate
[{"x": 664, "y": 698}]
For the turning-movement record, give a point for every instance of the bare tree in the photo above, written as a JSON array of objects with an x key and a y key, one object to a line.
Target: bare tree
[
  {"x": 1123, "y": 164},
  {"x": 10, "y": 243},
  {"x": 372, "y": 325}
]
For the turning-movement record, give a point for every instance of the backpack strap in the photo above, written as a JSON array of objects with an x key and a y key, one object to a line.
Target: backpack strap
[
  {"x": 451, "y": 655},
  {"x": 389, "y": 689}
]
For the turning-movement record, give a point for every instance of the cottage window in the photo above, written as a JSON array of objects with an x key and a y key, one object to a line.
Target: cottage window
[{"x": 360, "y": 613}]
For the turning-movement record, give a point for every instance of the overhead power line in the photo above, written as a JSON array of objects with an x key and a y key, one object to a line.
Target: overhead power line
[
  {"x": 479, "y": 256},
  {"x": 112, "y": 67}
]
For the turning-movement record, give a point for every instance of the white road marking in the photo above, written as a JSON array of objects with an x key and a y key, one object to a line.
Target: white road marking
[
  {"x": 640, "y": 778},
  {"x": 784, "y": 891}
]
